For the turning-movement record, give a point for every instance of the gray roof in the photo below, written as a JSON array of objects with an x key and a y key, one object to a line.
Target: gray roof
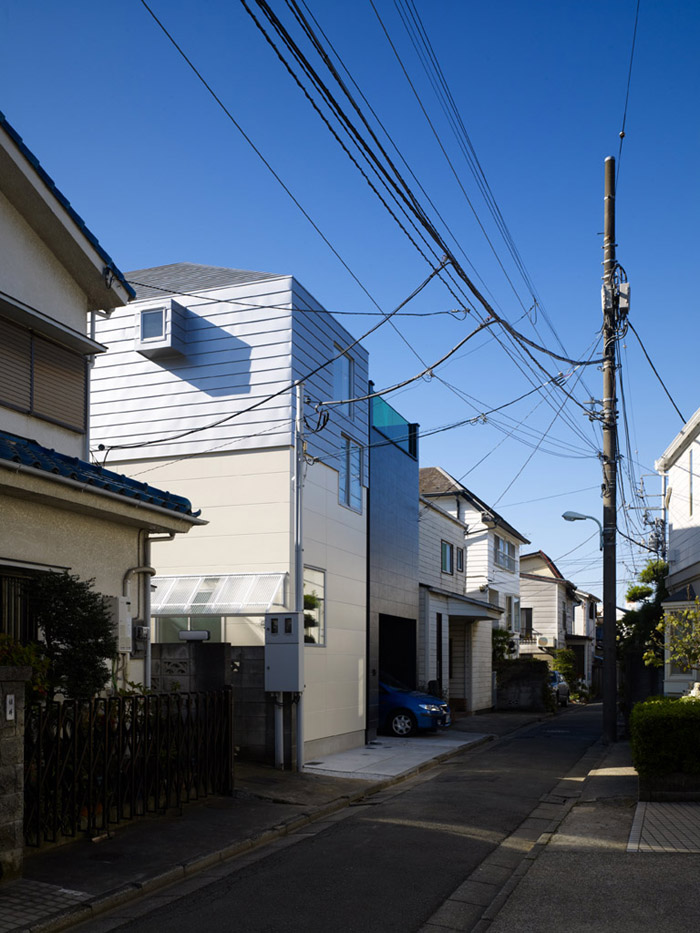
[
  {"x": 186, "y": 277},
  {"x": 436, "y": 482}
]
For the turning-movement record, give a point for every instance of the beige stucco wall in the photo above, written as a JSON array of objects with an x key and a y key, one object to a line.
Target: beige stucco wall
[
  {"x": 90, "y": 547},
  {"x": 246, "y": 499},
  {"x": 30, "y": 271},
  {"x": 335, "y": 540}
]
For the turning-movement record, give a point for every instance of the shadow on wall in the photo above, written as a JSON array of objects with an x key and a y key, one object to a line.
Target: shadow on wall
[{"x": 217, "y": 362}]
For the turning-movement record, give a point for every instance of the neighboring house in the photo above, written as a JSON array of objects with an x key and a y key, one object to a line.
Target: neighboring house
[
  {"x": 60, "y": 512},
  {"x": 195, "y": 391},
  {"x": 492, "y": 543},
  {"x": 582, "y": 639},
  {"x": 547, "y": 605},
  {"x": 681, "y": 496},
  {"x": 392, "y": 632}
]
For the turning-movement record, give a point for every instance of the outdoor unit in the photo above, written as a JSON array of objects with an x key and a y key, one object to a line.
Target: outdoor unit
[
  {"x": 546, "y": 641},
  {"x": 120, "y": 608},
  {"x": 284, "y": 646}
]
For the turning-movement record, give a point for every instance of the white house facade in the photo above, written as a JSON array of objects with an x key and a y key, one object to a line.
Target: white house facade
[
  {"x": 493, "y": 545},
  {"x": 196, "y": 390},
  {"x": 679, "y": 467},
  {"x": 547, "y": 605}
]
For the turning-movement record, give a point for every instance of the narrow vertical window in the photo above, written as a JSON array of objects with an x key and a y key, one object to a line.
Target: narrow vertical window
[
  {"x": 344, "y": 381},
  {"x": 446, "y": 557},
  {"x": 350, "y": 475}
]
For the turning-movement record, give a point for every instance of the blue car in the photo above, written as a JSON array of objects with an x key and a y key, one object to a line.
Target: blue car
[{"x": 403, "y": 712}]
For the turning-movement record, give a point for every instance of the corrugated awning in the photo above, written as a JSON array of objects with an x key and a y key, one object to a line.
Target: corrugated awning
[{"x": 223, "y": 595}]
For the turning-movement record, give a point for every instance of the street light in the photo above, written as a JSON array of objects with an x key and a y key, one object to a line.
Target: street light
[
  {"x": 607, "y": 546},
  {"x": 578, "y": 517}
]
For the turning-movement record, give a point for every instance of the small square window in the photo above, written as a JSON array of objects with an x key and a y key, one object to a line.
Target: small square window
[{"x": 152, "y": 324}]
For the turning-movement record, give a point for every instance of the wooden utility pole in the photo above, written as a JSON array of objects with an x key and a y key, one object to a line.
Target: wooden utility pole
[{"x": 610, "y": 323}]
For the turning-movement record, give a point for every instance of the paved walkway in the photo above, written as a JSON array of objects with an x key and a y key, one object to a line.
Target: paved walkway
[{"x": 591, "y": 818}]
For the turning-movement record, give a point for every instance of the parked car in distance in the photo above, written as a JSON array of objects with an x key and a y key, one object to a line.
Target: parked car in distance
[
  {"x": 559, "y": 688},
  {"x": 403, "y": 711}
]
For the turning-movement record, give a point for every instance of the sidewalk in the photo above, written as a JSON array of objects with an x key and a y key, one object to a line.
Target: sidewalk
[
  {"x": 588, "y": 857},
  {"x": 78, "y": 881}
]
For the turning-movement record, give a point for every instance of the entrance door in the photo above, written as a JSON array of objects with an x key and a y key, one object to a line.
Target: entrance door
[{"x": 397, "y": 648}]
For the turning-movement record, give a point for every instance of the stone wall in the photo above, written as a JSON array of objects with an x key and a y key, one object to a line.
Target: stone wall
[
  {"x": 12, "y": 687},
  {"x": 522, "y": 684}
]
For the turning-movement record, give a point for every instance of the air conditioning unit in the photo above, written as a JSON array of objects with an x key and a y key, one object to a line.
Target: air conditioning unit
[{"x": 546, "y": 641}]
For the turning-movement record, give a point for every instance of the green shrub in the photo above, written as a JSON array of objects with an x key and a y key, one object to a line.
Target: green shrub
[
  {"x": 665, "y": 737},
  {"x": 14, "y": 654}
]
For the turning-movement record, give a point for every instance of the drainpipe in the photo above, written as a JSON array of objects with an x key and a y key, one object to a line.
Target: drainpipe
[
  {"x": 145, "y": 606},
  {"x": 147, "y": 602}
]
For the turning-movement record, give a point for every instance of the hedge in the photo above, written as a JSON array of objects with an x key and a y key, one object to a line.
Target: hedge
[{"x": 665, "y": 737}]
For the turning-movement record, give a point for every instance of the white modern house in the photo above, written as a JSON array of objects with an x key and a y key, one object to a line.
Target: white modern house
[
  {"x": 478, "y": 563},
  {"x": 61, "y": 512},
  {"x": 547, "y": 601},
  {"x": 681, "y": 495},
  {"x": 582, "y": 638},
  {"x": 454, "y": 635},
  {"x": 493, "y": 544},
  {"x": 196, "y": 392}
]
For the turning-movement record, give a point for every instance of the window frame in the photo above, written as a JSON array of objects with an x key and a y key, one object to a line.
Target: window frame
[
  {"x": 459, "y": 559},
  {"x": 504, "y": 553},
  {"x": 447, "y": 557},
  {"x": 344, "y": 381},
  {"x": 320, "y": 641},
  {"x": 349, "y": 492}
]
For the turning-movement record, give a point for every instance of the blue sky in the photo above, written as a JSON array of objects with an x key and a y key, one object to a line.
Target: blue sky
[{"x": 160, "y": 175}]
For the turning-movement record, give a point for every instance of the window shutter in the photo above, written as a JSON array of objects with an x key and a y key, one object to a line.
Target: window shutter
[
  {"x": 59, "y": 384},
  {"x": 15, "y": 366}
]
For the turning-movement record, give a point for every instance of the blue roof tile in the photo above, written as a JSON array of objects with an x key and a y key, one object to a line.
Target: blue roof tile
[{"x": 16, "y": 449}]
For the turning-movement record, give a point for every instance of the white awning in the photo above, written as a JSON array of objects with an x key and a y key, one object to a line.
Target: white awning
[{"x": 223, "y": 595}]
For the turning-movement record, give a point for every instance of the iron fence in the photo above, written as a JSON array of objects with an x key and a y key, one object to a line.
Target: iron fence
[{"x": 89, "y": 764}]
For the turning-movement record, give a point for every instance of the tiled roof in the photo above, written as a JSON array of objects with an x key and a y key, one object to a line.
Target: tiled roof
[
  {"x": 434, "y": 481},
  {"x": 62, "y": 200},
  {"x": 30, "y": 454},
  {"x": 179, "y": 277}
]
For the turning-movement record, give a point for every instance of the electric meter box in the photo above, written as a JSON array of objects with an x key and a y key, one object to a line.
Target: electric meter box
[{"x": 284, "y": 647}]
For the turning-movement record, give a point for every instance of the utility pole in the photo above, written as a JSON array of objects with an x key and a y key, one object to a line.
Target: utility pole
[
  {"x": 610, "y": 322},
  {"x": 299, "y": 560}
]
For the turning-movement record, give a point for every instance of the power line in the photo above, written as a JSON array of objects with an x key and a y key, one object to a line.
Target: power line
[
  {"x": 654, "y": 370},
  {"x": 627, "y": 93}
]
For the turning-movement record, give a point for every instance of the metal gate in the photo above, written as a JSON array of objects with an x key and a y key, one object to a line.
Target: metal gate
[{"x": 89, "y": 764}]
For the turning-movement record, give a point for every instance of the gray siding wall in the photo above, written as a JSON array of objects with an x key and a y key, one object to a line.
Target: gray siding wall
[
  {"x": 243, "y": 343},
  {"x": 393, "y": 546}
]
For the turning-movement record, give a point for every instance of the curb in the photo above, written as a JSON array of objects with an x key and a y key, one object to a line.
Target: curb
[
  {"x": 475, "y": 903},
  {"x": 102, "y": 903}
]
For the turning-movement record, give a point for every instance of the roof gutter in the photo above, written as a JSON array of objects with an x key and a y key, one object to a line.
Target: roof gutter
[{"x": 105, "y": 493}]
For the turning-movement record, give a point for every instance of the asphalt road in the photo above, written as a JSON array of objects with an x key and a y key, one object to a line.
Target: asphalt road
[{"x": 394, "y": 859}]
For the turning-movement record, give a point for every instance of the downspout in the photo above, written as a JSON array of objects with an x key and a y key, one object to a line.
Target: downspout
[
  {"x": 149, "y": 571},
  {"x": 147, "y": 603}
]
